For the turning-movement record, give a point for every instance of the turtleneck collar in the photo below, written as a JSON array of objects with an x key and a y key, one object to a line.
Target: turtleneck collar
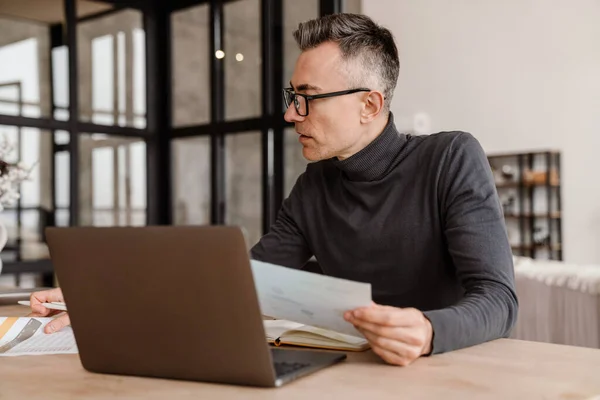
[{"x": 377, "y": 158}]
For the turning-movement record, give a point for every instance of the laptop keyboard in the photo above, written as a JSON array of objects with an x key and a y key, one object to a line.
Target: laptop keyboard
[{"x": 284, "y": 368}]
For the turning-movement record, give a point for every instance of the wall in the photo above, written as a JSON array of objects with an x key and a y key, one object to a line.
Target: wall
[{"x": 519, "y": 75}]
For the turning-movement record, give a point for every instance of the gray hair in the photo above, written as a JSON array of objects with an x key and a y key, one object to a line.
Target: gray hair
[{"x": 360, "y": 40}]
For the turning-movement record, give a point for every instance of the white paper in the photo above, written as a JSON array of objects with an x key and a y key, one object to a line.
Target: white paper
[
  {"x": 308, "y": 298},
  {"x": 25, "y": 336}
]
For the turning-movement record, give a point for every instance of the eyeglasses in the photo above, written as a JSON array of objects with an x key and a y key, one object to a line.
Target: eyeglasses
[{"x": 301, "y": 100}]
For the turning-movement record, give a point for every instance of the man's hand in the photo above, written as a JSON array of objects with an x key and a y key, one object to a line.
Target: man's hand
[
  {"x": 38, "y": 310},
  {"x": 398, "y": 335}
]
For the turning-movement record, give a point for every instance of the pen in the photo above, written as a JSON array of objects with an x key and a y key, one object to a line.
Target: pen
[{"x": 52, "y": 306}]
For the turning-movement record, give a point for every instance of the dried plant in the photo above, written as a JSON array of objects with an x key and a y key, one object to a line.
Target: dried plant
[{"x": 11, "y": 175}]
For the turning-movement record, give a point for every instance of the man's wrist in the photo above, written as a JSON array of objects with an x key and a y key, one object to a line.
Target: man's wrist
[{"x": 428, "y": 346}]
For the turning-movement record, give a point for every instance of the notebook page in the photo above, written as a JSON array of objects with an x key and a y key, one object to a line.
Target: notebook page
[
  {"x": 332, "y": 335},
  {"x": 275, "y": 328},
  {"x": 25, "y": 336}
]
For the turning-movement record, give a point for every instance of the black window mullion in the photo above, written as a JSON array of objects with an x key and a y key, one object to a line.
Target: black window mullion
[
  {"x": 225, "y": 127},
  {"x": 217, "y": 93},
  {"x": 157, "y": 26},
  {"x": 278, "y": 121},
  {"x": 71, "y": 24},
  {"x": 266, "y": 22},
  {"x": 50, "y": 216},
  {"x": 272, "y": 86},
  {"x": 330, "y": 7}
]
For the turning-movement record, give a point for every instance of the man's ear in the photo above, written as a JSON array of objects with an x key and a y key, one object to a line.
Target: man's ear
[{"x": 372, "y": 106}]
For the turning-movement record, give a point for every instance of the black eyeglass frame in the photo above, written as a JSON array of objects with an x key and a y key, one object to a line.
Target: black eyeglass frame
[{"x": 308, "y": 97}]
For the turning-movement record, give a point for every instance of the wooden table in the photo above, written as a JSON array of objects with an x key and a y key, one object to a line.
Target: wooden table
[{"x": 502, "y": 369}]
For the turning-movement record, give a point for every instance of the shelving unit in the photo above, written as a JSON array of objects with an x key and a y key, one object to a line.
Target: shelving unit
[{"x": 529, "y": 187}]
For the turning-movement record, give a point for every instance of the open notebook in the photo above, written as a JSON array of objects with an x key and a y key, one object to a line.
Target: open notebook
[{"x": 283, "y": 332}]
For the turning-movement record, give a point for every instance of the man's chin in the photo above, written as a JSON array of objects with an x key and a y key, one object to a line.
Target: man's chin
[{"x": 311, "y": 154}]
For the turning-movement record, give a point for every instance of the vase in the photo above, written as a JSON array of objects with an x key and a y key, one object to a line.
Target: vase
[{"x": 3, "y": 240}]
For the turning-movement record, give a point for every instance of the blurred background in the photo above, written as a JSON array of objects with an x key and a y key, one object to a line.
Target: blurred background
[{"x": 132, "y": 113}]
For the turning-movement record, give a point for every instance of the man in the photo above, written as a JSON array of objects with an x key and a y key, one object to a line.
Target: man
[{"x": 418, "y": 217}]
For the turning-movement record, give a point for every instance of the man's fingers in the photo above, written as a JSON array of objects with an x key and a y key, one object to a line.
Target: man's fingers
[
  {"x": 41, "y": 311},
  {"x": 387, "y": 316},
  {"x": 46, "y": 296},
  {"x": 57, "y": 324},
  {"x": 44, "y": 312},
  {"x": 402, "y": 350},
  {"x": 38, "y": 310},
  {"x": 406, "y": 335},
  {"x": 390, "y": 357}
]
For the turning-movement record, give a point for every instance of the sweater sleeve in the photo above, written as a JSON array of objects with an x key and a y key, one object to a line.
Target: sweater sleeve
[
  {"x": 478, "y": 244},
  {"x": 285, "y": 244}
]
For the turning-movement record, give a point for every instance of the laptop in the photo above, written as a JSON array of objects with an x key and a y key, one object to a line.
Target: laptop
[{"x": 175, "y": 302}]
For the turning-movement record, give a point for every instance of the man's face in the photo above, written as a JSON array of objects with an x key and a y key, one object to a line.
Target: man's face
[{"x": 332, "y": 127}]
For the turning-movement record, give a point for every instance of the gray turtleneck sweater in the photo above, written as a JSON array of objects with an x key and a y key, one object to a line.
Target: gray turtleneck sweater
[{"x": 419, "y": 218}]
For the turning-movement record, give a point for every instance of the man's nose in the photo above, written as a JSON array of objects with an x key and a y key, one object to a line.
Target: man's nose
[{"x": 291, "y": 115}]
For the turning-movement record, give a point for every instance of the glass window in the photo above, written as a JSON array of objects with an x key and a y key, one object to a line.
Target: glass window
[
  {"x": 61, "y": 114},
  {"x": 139, "y": 79},
  {"x": 121, "y": 77},
  {"x": 32, "y": 224},
  {"x": 112, "y": 173},
  {"x": 33, "y": 148},
  {"x": 62, "y": 179},
  {"x": 61, "y": 137},
  {"x": 10, "y": 95},
  {"x": 11, "y": 250},
  {"x": 243, "y": 177},
  {"x": 112, "y": 69},
  {"x": 137, "y": 179},
  {"x": 242, "y": 59},
  {"x": 24, "y": 85},
  {"x": 61, "y": 188},
  {"x": 191, "y": 181},
  {"x": 60, "y": 80},
  {"x": 31, "y": 154},
  {"x": 191, "y": 66},
  {"x": 103, "y": 80},
  {"x": 62, "y": 217},
  {"x": 12, "y": 135}
]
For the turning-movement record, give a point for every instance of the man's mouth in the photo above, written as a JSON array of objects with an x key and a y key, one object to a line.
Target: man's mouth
[{"x": 303, "y": 138}]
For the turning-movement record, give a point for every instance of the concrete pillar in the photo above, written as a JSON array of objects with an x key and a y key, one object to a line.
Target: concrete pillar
[{"x": 191, "y": 66}]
